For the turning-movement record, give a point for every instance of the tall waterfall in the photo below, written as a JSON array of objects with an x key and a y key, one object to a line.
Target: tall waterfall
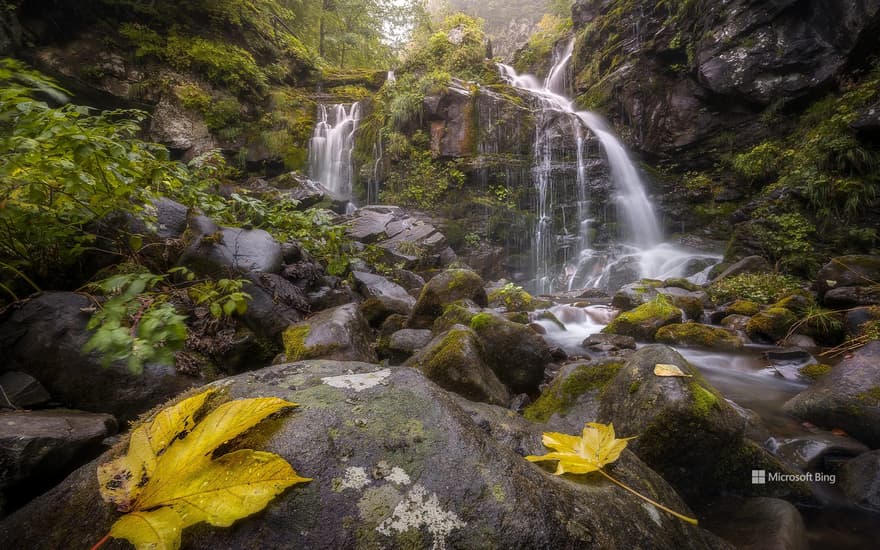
[
  {"x": 640, "y": 248},
  {"x": 331, "y": 146}
]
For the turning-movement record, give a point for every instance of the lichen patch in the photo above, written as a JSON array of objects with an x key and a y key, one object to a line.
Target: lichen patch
[
  {"x": 358, "y": 382},
  {"x": 421, "y": 508}
]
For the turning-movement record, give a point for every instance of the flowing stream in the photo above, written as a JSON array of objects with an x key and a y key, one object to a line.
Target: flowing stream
[
  {"x": 331, "y": 146},
  {"x": 640, "y": 248}
]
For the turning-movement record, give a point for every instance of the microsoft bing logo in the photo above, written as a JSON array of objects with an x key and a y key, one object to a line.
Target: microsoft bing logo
[{"x": 759, "y": 477}]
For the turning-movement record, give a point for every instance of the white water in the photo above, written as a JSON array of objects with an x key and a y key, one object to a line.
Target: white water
[
  {"x": 641, "y": 234},
  {"x": 331, "y": 146}
]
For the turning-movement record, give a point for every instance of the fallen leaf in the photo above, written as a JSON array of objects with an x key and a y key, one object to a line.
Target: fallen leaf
[
  {"x": 596, "y": 447},
  {"x": 664, "y": 369},
  {"x": 170, "y": 479}
]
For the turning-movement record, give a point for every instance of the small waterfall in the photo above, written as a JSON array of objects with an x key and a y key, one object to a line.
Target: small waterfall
[
  {"x": 331, "y": 146},
  {"x": 641, "y": 250}
]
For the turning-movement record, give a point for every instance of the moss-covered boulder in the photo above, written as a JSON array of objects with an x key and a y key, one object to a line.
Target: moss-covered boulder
[
  {"x": 459, "y": 312},
  {"x": 396, "y": 463},
  {"x": 339, "y": 333},
  {"x": 742, "y": 307},
  {"x": 770, "y": 325},
  {"x": 644, "y": 321},
  {"x": 847, "y": 397},
  {"x": 515, "y": 352},
  {"x": 698, "y": 336},
  {"x": 512, "y": 297},
  {"x": 685, "y": 428},
  {"x": 445, "y": 288},
  {"x": 798, "y": 303},
  {"x": 572, "y": 398},
  {"x": 454, "y": 360}
]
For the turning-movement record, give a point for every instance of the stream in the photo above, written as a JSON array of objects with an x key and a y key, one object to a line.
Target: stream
[{"x": 750, "y": 380}]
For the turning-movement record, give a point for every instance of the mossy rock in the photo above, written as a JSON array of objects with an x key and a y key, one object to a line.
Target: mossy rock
[
  {"x": 770, "y": 325},
  {"x": 443, "y": 289},
  {"x": 698, "y": 335},
  {"x": 643, "y": 322},
  {"x": 454, "y": 361},
  {"x": 742, "y": 307},
  {"x": 567, "y": 389},
  {"x": 678, "y": 282},
  {"x": 690, "y": 305},
  {"x": 797, "y": 303},
  {"x": 339, "y": 333},
  {"x": 515, "y": 298},
  {"x": 516, "y": 354},
  {"x": 459, "y": 312},
  {"x": 815, "y": 371}
]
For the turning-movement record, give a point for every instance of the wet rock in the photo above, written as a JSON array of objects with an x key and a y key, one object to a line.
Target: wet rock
[
  {"x": 408, "y": 280},
  {"x": 447, "y": 287},
  {"x": 848, "y": 397},
  {"x": 860, "y": 480},
  {"x": 623, "y": 272},
  {"x": 572, "y": 398},
  {"x": 410, "y": 239},
  {"x": 44, "y": 336},
  {"x": 180, "y": 129},
  {"x": 275, "y": 304},
  {"x": 38, "y": 446},
  {"x": 758, "y": 523},
  {"x": 819, "y": 451},
  {"x": 513, "y": 351},
  {"x": 376, "y": 310},
  {"x": 852, "y": 296},
  {"x": 698, "y": 336},
  {"x": 21, "y": 390},
  {"x": 608, "y": 342},
  {"x": 848, "y": 271},
  {"x": 735, "y": 322},
  {"x": 300, "y": 188},
  {"x": 454, "y": 360},
  {"x": 770, "y": 325},
  {"x": 643, "y": 322},
  {"x": 407, "y": 341},
  {"x": 215, "y": 250},
  {"x": 855, "y": 319},
  {"x": 374, "y": 286},
  {"x": 633, "y": 295},
  {"x": 339, "y": 333},
  {"x": 327, "y": 297},
  {"x": 416, "y": 467},
  {"x": 685, "y": 428}
]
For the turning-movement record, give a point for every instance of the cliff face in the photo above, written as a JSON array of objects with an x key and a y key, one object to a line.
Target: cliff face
[{"x": 679, "y": 73}]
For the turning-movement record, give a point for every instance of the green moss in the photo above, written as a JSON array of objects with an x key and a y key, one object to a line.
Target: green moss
[
  {"x": 815, "y": 371},
  {"x": 678, "y": 282},
  {"x": 772, "y": 324},
  {"x": 547, "y": 315},
  {"x": 799, "y": 302},
  {"x": 704, "y": 400},
  {"x": 455, "y": 313},
  {"x": 871, "y": 396},
  {"x": 696, "y": 334},
  {"x": 643, "y": 321},
  {"x": 481, "y": 321},
  {"x": 512, "y": 297},
  {"x": 762, "y": 288},
  {"x": 634, "y": 387},
  {"x": 296, "y": 349},
  {"x": 743, "y": 307},
  {"x": 562, "y": 394}
]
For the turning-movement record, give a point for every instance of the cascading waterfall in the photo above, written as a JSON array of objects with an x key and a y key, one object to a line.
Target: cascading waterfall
[
  {"x": 331, "y": 147},
  {"x": 640, "y": 234}
]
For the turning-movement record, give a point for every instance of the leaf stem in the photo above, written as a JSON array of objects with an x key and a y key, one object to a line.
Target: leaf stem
[
  {"x": 690, "y": 520},
  {"x": 101, "y": 542}
]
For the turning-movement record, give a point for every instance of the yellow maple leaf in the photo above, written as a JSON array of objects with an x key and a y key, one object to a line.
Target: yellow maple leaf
[
  {"x": 169, "y": 478},
  {"x": 596, "y": 447}
]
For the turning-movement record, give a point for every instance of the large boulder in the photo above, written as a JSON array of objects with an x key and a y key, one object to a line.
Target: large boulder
[
  {"x": 215, "y": 250},
  {"x": 44, "y": 337},
  {"x": 443, "y": 289},
  {"x": 643, "y": 322},
  {"x": 848, "y": 397},
  {"x": 395, "y": 462},
  {"x": 36, "y": 447},
  {"x": 410, "y": 239},
  {"x": 572, "y": 398},
  {"x": 758, "y": 523},
  {"x": 515, "y": 352},
  {"x": 375, "y": 286},
  {"x": 454, "y": 360},
  {"x": 698, "y": 336},
  {"x": 339, "y": 333},
  {"x": 685, "y": 428},
  {"x": 770, "y": 325},
  {"x": 860, "y": 480}
]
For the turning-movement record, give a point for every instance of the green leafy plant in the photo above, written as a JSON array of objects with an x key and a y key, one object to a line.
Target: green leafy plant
[
  {"x": 762, "y": 288},
  {"x": 591, "y": 452},
  {"x": 171, "y": 476},
  {"x": 223, "y": 297},
  {"x": 137, "y": 323}
]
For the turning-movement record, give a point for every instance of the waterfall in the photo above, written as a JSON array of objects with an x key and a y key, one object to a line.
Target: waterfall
[
  {"x": 640, "y": 249},
  {"x": 331, "y": 146}
]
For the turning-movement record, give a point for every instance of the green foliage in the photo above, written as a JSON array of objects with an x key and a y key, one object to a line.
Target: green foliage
[
  {"x": 63, "y": 168},
  {"x": 760, "y": 164},
  {"x": 420, "y": 181},
  {"x": 137, "y": 323},
  {"x": 223, "y": 297},
  {"x": 786, "y": 239},
  {"x": 762, "y": 288},
  {"x": 513, "y": 297},
  {"x": 539, "y": 49},
  {"x": 456, "y": 47},
  {"x": 222, "y": 114}
]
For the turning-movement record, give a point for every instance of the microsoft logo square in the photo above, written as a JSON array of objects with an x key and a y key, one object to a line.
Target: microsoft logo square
[{"x": 759, "y": 477}]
